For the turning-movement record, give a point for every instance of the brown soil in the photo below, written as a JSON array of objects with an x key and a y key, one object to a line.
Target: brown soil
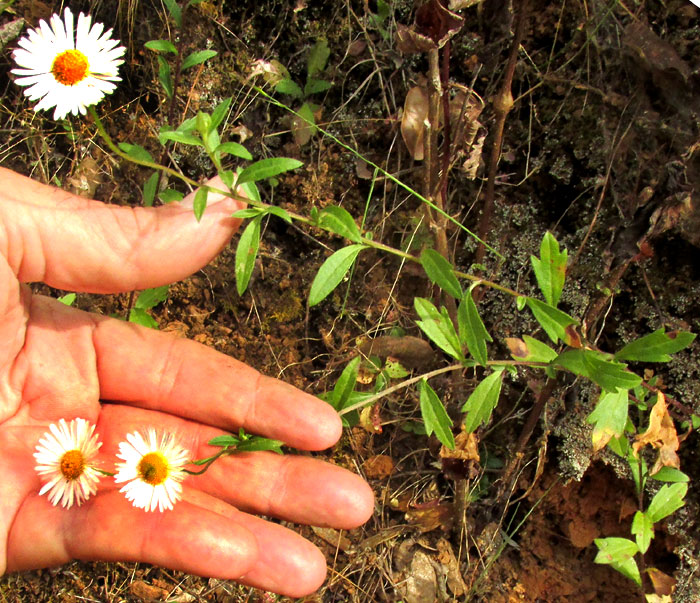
[{"x": 601, "y": 148}]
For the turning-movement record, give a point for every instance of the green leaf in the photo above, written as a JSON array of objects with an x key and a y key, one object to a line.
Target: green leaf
[
  {"x": 250, "y": 190},
  {"x": 318, "y": 58},
  {"x": 619, "y": 553},
  {"x": 175, "y": 11},
  {"x": 227, "y": 177},
  {"x": 257, "y": 444},
  {"x": 150, "y": 298},
  {"x": 187, "y": 126},
  {"x": 169, "y": 195},
  {"x": 609, "y": 374},
  {"x": 440, "y": 272},
  {"x": 225, "y": 441},
  {"x": 472, "y": 331},
  {"x": 339, "y": 221},
  {"x": 143, "y": 318},
  {"x": 248, "y": 212},
  {"x": 656, "y": 346},
  {"x": 643, "y": 530},
  {"x": 181, "y": 137},
  {"x": 553, "y": 321},
  {"x": 288, "y": 86},
  {"x": 609, "y": 417},
  {"x": 666, "y": 501},
  {"x": 149, "y": 189},
  {"x": 68, "y": 299},
  {"x": 280, "y": 213},
  {"x": 550, "y": 269},
  {"x": 345, "y": 385},
  {"x": 393, "y": 369},
  {"x": 438, "y": 327},
  {"x": 314, "y": 86},
  {"x": 482, "y": 401},
  {"x": 435, "y": 416},
  {"x": 197, "y": 57},
  {"x": 530, "y": 349},
  {"x": 161, "y": 46},
  {"x": 670, "y": 474},
  {"x": 220, "y": 112},
  {"x": 332, "y": 271},
  {"x": 136, "y": 151},
  {"x": 164, "y": 76},
  {"x": 200, "y": 202},
  {"x": 235, "y": 149},
  {"x": 267, "y": 168},
  {"x": 246, "y": 252}
]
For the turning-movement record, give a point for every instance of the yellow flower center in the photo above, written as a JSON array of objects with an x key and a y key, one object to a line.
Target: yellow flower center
[
  {"x": 70, "y": 67},
  {"x": 153, "y": 468},
  {"x": 72, "y": 464}
]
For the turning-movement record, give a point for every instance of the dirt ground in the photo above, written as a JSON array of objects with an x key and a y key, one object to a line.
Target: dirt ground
[{"x": 601, "y": 148}]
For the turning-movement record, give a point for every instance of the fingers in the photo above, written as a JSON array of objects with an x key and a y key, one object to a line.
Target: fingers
[
  {"x": 190, "y": 538},
  {"x": 290, "y": 487},
  {"x": 78, "y": 244},
  {"x": 153, "y": 370}
]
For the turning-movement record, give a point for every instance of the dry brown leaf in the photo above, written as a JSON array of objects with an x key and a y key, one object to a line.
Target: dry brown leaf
[
  {"x": 370, "y": 420},
  {"x": 660, "y": 434},
  {"x": 335, "y": 538},
  {"x": 449, "y": 561},
  {"x": 462, "y": 462},
  {"x": 411, "y": 352},
  {"x": 378, "y": 466},
  {"x": 85, "y": 178},
  {"x": 431, "y": 516},
  {"x": 664, "y": 585},
  {"x": 415, "y": 112}
]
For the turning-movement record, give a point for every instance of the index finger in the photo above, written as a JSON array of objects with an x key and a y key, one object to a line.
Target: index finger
[{"x": 154, "y": 370}]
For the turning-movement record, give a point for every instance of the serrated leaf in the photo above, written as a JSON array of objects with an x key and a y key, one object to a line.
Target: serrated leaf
[
  {"x": 553, "y": 321},
  {"x": 200, "y": 202},
  {"x": 235, "y": 149},
  {"x": 656, "y": 346},
  {"x": 219, "y": 113},
  {"x": 643, "y": 530},
  {"x": 181, "y": 137},
  {"x": 143, "y": 318},
  {"x": 440, "y": 272},
  {"x": 161, "y": 46},
  {"x": 314, "y": 86},
  {"x": 246, "y": 253},
  {"x": 609, "y": 418},
  {"x": 197, "y": 57},
  {"x": 619, "y": 553},
  {"x": 289, "y": 86},
  {"x": 482, "y": 401},
  {"x": 267, "y": 168},
  {"x": 150, "y": 298},
  {"x": 472, "y": 331},
  {"x": 550, "y": 269},
  {"x": 530, "y": 349},
  {"x": 438, "y": 327},
  {"x": 332, "y": 271},
  {"x": 149, "y": 189},
  {"x": 339, "y": 221},
  {"x": 318, "y": 57},
  {"x": 136, "y": 151},
  {"x": 609, "y": 374},
  {"x": 666, "y": 501},
  {"x": 435, "y": 417}
]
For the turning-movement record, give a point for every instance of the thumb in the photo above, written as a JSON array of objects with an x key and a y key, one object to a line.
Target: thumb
[{"x": 78, "y": 244}]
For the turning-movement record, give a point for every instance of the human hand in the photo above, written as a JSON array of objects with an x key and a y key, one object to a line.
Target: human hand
[{"x": 59, "y": 362}]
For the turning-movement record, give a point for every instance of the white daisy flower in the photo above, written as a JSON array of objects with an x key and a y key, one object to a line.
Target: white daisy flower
[
  {"x": 66, "y": 456},
  {"x": 152, "y": 469},
  {"x": 66, "y": 68}
]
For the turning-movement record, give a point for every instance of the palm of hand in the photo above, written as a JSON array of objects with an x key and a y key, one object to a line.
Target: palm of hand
[{"x": 58, "y": 362}]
